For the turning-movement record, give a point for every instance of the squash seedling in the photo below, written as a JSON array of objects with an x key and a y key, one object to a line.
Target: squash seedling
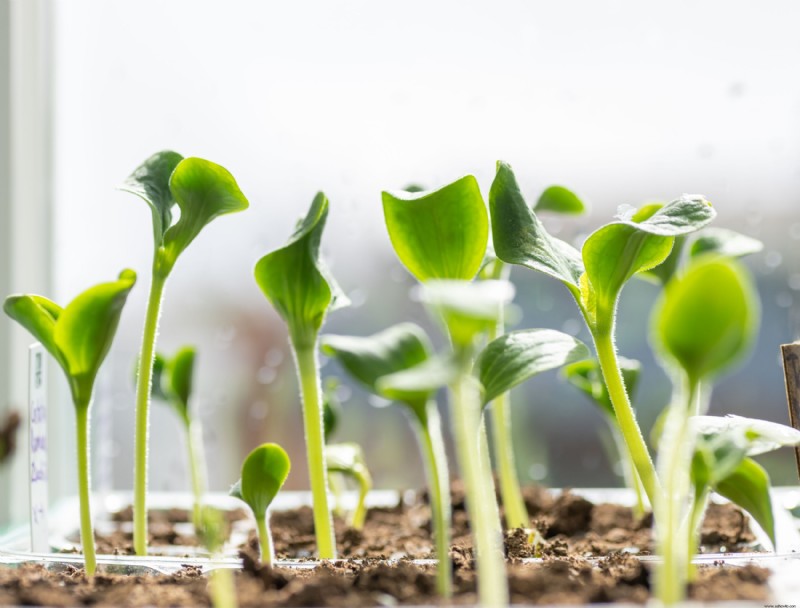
[
  {"x": 203, "y": 191},
  {"x": 211, "y": 532},
  {"x": 298, "y": 285},
  {"x": 393, "y": 350},
  {"x": 264, "y": 472},
  {"x": 637, "y": 240},
  {"x": 172, "y": 384},
  {"x": 556, "y": 199},
  {"x": 78, "y": 337},
  {"x": 704, "y": 323},
  {"x": 587, "y": 377},
  {"x": 348, "y": 459}
]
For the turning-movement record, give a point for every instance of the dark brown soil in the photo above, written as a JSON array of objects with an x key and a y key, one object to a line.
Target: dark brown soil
[
  {"x": 620, "y": 578},
  {"x": 573, "y": 529}
]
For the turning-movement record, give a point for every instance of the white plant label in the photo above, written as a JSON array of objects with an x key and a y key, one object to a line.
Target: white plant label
[{"x": 37, "y": 399}]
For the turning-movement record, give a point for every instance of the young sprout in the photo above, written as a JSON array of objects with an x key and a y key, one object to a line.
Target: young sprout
[
  {"x": 554, "y": 199},
  {"x": 637, "y": 240},
  {"x": 202, "y": 191},
  {"x": 348, "y": 459},
  {"x": 78, "y": 337},
  {"x": 211, "y": 531},
  {"x": 263, "y": 473},
  {"x": 393, "y": 350},
  {"x": 172, "y": 384},
  {"x": 587, "y": 376},
  {"x": 704, "y": 322},
  {"x": 299, "y": 286}
]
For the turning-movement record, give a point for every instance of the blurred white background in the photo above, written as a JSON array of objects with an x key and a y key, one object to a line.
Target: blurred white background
[{"x": 621, "y": 101}]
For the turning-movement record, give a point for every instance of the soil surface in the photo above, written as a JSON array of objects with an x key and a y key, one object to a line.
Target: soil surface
[{"x": 572, "y": 529}]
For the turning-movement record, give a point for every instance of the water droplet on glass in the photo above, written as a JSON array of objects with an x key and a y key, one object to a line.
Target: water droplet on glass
[
  {"x": 773, "y": 259},
  {"x": 274, "y": 357},
  {"x": 571, "y": 327},
  {"x": 266, "y": 375},
  {"x": 784, "y": 299},
  {"x": 343, "y": 393},
  {"x": 358, "y": 297}
]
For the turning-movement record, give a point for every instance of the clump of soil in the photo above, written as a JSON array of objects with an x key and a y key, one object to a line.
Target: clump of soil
[{"x": 620, "y": 578}]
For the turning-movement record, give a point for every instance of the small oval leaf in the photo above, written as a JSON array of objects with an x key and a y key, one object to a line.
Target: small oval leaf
[
  {"x": 38, "y": 315},
  {"x": 180, "y": 377},
  {"x": 706, "y": 320},
  {"x": 204, "y": 191},
  {"x": 263, "y": 474},
  {"x": 559, "y": 199},
  {"x": 728, "y": 243},
  {"x": 748, "y": 487},
  {"x": 439, "y": 234},
  {"x": 517, "y": 356},
  {"x": 296, "y": 281},
  {"x": 397, "y": 348},
  {"x": 520, "y": 238}
]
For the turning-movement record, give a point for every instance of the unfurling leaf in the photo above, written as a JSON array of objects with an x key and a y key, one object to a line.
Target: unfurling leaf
[
  {"x": 296, "y": 281},
  {"x": 515, "y": 357},
  {"x": 439, "y": 234}
]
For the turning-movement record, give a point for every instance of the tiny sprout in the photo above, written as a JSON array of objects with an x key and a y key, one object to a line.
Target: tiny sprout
[
  {"x": 172, "y": 384},
  {"x": 348, "y": 459},
  {"x": 212, "y": 531},
  {"x": 263, "y": 473},
  {"x": 202, "y": 191},
  {"x": 79, "y": 337},
  {"x": 303, "y": 302}
]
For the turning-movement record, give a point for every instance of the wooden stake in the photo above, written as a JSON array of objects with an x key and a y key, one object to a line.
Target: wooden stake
[{"x": 791, "y": 373}]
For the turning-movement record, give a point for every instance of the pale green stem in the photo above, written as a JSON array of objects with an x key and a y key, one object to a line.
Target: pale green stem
[
  {"x": 699, "y": 505},
  {"x": 514, "y": 504},
  {"x": 488, "y": 475},
  {"x": 223, "y": 590},
  {"x": 84, "y": 489},
  {"x": 490, "y": 563},
  {"x": 629, "y": 473},
  {"x": 360, "y": 512},
  {"x": 308, "y": 373},
  {"x": 197, "y": 465},
  {"x": 143, "y": 385},
  {"x": 429, "y": 435},
  {"x": 265, "y": 540},
  {"x": 626, "y": 418},
  {"x": 671, "y": 509}
]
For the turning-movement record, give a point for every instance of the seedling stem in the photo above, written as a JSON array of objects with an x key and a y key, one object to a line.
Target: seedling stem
[
  {"x": 84, "y": 487},
  {"x": 265, "y": 540}
]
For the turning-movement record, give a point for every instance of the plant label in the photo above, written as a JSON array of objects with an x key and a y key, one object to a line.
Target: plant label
[
  {"x": 37, "y": 399},
  {"x": 791, "y": 373}
]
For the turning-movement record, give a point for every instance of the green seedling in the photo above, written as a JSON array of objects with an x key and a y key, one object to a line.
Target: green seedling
[
  {"x": 263, "y": 474},
  {"x": 297, "y": 283},
  {"x": 393, "y": 350},
  {"x": 331, "y": 413},
  {"x": 212, "y": 532},
  {"x": 635, "y": 241},
  {"x": 555, "y": 199},
  {"x": 78, "y": 337},
  {"x": 202, "y": 192},
  {"x": 704, "y": 323},
  {"x": 172, "y": 384},
  {"x": 587, "y": 377},
  {"x": 348, "y": 459},
  {"x": 434, "y": 247}
]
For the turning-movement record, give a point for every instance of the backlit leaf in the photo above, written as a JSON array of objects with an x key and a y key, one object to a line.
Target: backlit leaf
[
  {"x": 559, "y": 199},
  {"x": 263, "y": 474},
  {"x": 587, "y": 376},
  {"x": 748, "y": 487},
  {"x": 722, "y": 241}
]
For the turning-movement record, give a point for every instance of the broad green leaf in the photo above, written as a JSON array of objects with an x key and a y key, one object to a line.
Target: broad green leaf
[
  {"x": 560, "y": 200},
  {"x": 180, "y": 377},
  {"x": 263, "y": 473},
  {"x": 748, "y": 487},
  {"x": 425, "y": 378},
  {"x": 466, "y": 309},
  {"x": 85, "y": 330},
  {"x": 150, "y": 182},
  {"x": 706, "y": 320},
  {"x": 38, "y": 315},
  {"x": 397, "y": 348},
  {"x": 722, "y": 241},
  {"x": 520, "y": 238},
  {"x": 639, "y": 240},
  {"x": 755, "y": 436},
  {"x": 517, "y": 356},
  {"x": 296, "y": 281},
  {"x": 439, "y": 234},
  {"x": 587, "y": 376},
  {"x": 203, "y": 191},
  {"x": 670, "y": 266}
]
